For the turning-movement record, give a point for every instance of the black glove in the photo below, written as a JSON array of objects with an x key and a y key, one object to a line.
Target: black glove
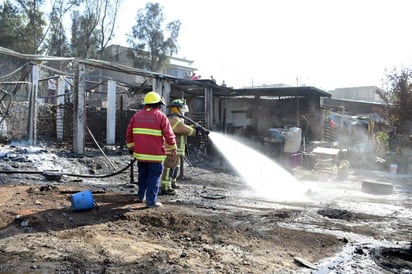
[
  {"x": 131, "y": 151},
  {"x": 198, "y": 126},
  {"x": 198, "y": 131}
]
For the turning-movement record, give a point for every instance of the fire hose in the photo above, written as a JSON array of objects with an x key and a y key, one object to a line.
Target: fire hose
[
  {"x": 50, "y": 174},
  {"x": 196, "y": 124}
]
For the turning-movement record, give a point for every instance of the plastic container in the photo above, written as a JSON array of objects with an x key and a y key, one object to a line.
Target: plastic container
[
  {"x": 393, "y": 168},
  {"x": 293, "y": 139},
  {"x": 295, "y": 159},
  {"x": 276, "y": 133},
  {"x": 82, "y": 201}
]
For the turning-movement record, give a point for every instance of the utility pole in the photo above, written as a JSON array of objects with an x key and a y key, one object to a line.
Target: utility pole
[{"x": 297, "y": 102}]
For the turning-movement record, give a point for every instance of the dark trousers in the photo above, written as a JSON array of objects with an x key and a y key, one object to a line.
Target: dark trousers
[{"x": 149, "y": 181}]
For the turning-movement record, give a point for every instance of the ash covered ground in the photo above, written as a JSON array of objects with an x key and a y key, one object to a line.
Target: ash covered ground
[{"x": 215, "y": 224}]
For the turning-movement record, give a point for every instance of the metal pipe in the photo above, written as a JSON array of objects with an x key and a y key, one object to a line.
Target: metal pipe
[{"x": 101, "y": 150}]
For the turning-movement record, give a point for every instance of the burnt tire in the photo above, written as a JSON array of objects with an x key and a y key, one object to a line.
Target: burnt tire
[{"x": 395, "y": 260}]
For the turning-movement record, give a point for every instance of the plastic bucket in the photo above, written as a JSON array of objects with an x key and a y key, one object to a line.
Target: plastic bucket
[
  {"x": 393, "y": 168},
  {"x": 295, "y": 159},
  {"x": 82, "y": 201}
]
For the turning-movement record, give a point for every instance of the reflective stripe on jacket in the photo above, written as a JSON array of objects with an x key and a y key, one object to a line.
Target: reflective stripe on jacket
[
  {"x": 148, "y": 133},
  {"x": 181, "y": 130}
]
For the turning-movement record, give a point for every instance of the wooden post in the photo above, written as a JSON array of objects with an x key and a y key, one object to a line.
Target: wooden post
[
  {"x": 157, "y": 86},
  {"x": 33, "y": 105},
  {"x": 209, "y": 107},
  {"x": 61, "y": 83},
  {"x": 111, "y": 113},
  {"x": 166, "y": 92},
  {"x": 79, "y": 110}
]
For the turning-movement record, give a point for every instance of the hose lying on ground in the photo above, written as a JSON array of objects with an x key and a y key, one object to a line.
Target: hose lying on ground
[{"x": 49, "y": 173}]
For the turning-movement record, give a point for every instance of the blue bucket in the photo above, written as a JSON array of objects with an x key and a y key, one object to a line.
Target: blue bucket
[{"x": 82, "y": 201}]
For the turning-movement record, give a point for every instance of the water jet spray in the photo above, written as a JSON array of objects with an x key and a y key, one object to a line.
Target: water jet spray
[{"x": 262, "y": 174}]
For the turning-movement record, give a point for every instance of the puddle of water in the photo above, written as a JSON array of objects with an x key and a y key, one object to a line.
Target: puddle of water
[
  {"x": 270, "y": 181},
  {"x": 262, "y": 174},
  {"x": 348, "y": 195}
]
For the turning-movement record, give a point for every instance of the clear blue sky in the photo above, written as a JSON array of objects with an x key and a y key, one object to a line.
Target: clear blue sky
[{"x": 324, "y": 43}]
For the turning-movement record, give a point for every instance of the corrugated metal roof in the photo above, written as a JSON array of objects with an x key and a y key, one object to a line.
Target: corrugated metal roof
[
  {"x": 281, "y": 91},
  {"x": 197, "y": 87}
]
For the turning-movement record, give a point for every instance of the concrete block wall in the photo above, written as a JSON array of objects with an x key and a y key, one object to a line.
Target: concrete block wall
[
  {"x": 17, "y": 121},
  {"x": 46, "y": 122}
]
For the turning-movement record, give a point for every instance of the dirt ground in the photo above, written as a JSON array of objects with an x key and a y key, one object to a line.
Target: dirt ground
[{"x": 211, "y": 226}]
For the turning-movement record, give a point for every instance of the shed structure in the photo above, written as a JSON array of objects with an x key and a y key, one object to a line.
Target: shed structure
[{"x": 251, "y": 112}]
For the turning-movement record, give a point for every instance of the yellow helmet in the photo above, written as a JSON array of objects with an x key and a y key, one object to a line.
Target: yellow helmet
[{"x": 153, "y": 98}]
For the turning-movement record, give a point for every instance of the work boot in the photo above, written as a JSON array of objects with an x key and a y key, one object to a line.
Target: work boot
[
  {"x": 174, "y": 185},
  {"x": 157, "y": 204},
  {"x": 166, "y": 188},
  {"x": 169, "y": 191},
  {"x": 166, "y": 191}
]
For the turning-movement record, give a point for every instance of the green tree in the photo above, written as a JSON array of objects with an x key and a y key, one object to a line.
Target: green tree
[
  {"x": 22, "y": 26},
  {"x": 398, "y": 96},
  {"x": 84, "y": 40},
  {"x": 11, "y": 26},
  {"x": 57, "y": 43},
  {"x": 149, "y": 41}
]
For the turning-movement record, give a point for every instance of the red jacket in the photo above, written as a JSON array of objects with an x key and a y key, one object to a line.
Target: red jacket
[{"x": 146, "y": 133}]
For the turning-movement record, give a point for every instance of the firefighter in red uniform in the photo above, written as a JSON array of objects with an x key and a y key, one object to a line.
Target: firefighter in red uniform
[
  {"x": 149, "y": 137},
  {"x": 171, "y": 166}
]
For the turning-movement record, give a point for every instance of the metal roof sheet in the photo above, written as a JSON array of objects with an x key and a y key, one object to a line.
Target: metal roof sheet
[{"x": 282, "y": 91}]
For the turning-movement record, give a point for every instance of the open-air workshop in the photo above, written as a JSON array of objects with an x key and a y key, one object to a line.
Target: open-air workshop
[{"x": 256, "y": 180}]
